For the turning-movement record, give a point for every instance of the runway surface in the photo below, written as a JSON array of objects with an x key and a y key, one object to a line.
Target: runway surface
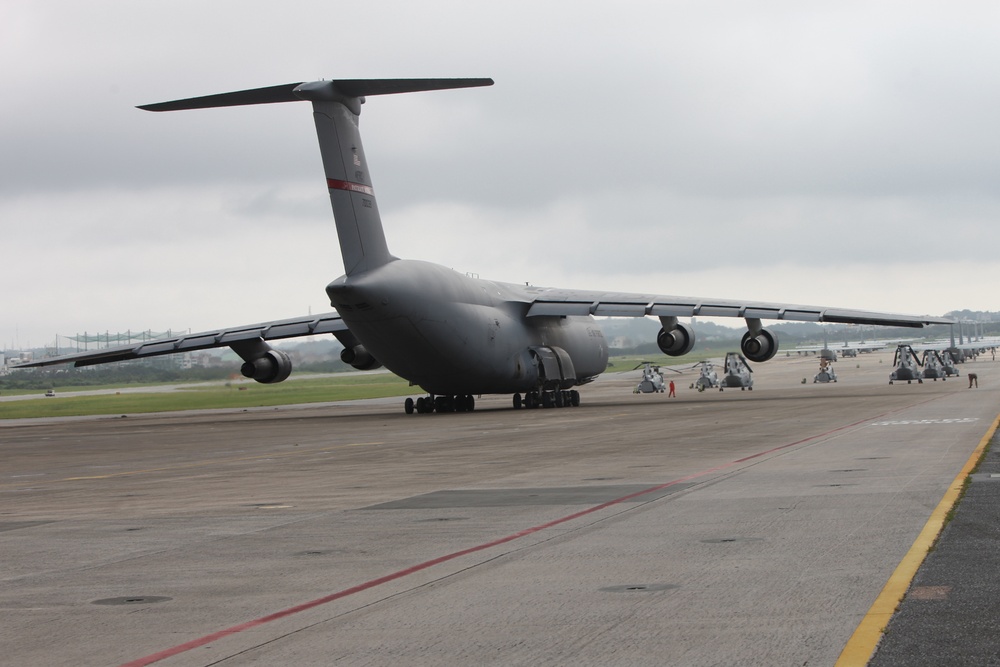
[{"x": 717, "y": 528}]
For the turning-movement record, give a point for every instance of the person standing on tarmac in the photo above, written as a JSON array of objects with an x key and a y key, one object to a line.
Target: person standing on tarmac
[{"x": 672, "y": 394}]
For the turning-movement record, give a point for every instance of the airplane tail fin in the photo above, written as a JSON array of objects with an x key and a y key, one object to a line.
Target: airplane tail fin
[{"x": 336, "y": 110}]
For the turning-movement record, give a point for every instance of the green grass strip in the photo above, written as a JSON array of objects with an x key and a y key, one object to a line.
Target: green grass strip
[{"x": 212, "y": 396}]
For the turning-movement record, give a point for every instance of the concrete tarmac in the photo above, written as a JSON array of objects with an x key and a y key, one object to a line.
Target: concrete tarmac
[
  {"x": 949, "y": 614},
  {"x": 716, "y": 528}
]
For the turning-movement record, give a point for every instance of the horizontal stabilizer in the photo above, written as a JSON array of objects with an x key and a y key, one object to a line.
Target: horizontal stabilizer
[
  {"x": 270, "y": 95},
  {"x": 293, "y": 92}
]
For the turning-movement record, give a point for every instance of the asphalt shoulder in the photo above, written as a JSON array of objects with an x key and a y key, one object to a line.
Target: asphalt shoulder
[{"x": 949, "y": 615}]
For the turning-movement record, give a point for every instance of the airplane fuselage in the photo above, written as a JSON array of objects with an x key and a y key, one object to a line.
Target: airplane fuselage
[{"x": 453, "y": 334}]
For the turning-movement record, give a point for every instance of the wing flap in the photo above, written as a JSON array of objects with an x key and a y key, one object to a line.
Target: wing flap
[
  {"x": 621, "y": 309},
  {"x": 560, "y": 308}
]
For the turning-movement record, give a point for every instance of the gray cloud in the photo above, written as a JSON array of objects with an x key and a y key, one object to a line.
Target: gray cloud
[{"x": 618, "y": 145}]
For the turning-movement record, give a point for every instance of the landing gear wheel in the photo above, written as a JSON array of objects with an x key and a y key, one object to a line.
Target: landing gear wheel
[
  {"x": 517, "y": 401},
  {"x": 408, "y": 406}
]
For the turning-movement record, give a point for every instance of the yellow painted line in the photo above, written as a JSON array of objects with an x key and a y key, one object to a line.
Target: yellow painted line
[
  {"x": 211, "y": 462},
  {"x": 861, "y": 646}
]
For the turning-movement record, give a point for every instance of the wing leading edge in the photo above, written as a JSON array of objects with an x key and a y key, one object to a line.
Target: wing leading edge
[{"x": 264, "y": 331}]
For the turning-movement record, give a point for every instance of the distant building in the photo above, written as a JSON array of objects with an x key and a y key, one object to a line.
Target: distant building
[{"x": 11, "y": 363}]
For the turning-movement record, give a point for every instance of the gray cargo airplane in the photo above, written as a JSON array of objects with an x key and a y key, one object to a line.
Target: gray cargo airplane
[
  {"x": 453, "y": 335},
  {"x": 847, "y": 349},
  {"x": 961, "y": 351}
]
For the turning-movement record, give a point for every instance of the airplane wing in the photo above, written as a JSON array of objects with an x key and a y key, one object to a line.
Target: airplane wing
[
  {"x": 837, "y": 347},
  {"x": 920, "y": 347},
  {"x": 811, "y": 348},
  {"x": 276, "y": 330},
  {"x": 559, "y": 302}
]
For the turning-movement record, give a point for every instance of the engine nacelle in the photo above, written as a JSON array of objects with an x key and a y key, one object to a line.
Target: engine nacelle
[
  {"x": 359, "y": 358},
  {"x": 273, "y": 366},
  {"x": 677, "y": 341},
  {"x": 759, "y": 348}
]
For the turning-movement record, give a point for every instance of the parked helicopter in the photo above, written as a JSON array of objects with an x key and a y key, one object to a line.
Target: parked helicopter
[
  {"x": 652, "y": 379},
  {"x": 907, "y": 365},
  {"x": 738, "y": 373},
  {"x": 707, "y": 378},
  {"x": 933, "y": 364},
  {"x": 947, "y": 364},
  {"x": 826, "y": 372}
]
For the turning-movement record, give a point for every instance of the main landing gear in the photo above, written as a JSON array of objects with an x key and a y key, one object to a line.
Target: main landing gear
[
  {"x": 426, "y": 404},
  {"x": 548, "y": 399},
  {"x": 466, "y": 403}
]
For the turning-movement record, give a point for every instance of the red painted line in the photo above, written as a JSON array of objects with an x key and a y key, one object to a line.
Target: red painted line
[
  {"x": 207, "y": 639},
  {"x": 334, "y": 184}
]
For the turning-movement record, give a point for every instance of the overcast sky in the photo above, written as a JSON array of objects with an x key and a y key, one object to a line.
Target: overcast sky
[{"x": 842, "y": 154}]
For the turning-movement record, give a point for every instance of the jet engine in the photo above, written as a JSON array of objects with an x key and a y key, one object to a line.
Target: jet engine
[
  {"x": 759, "y": 347},
  {"x": 273, "y": 366},
  {"x": 360, "y": 358},
  {"x": 676, "y": 341}
]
